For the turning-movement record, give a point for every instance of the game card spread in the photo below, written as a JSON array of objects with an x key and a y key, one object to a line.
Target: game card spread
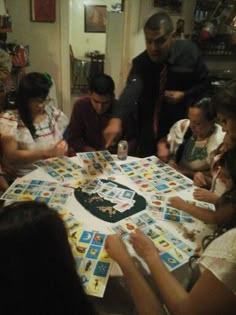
[
  {"x": 108, "y": 200},
  {"x": 173, "y": 251},
  {"x": 160, "y": 208},
  {"x": 99, "y": 162},
  {"x": 152, "y": 175},
  {"x": 92, "y": 261},
  {"x": 39, "y": 190},
  {"x": 62, "y": 169}
]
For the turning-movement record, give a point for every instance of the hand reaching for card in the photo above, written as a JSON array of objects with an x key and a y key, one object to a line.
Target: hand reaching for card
[
  {"x": 143, "y": 246},
  {"x": 117, "y": 250},
  {"x": 205, "y": 195},
  {"x": 177, "y": 203}
]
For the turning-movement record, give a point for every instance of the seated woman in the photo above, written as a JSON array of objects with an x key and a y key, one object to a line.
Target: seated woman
[
  {"x": 35, "y": 129},
  {"x": 212, "y": 187},
  {"x": 37, "y": 269},
  {"x": 213, "y": 293},
  {"x": 190, "y": 142}
]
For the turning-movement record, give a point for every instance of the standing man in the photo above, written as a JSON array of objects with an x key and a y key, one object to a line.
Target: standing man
[
  {"x": 91, "y": 115},
  {"x": 162, "y": 81}
]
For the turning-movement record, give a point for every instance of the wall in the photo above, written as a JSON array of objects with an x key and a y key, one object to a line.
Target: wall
[
  {"x": 43, "y": 39},
  {"x": 84, "y": 42}
]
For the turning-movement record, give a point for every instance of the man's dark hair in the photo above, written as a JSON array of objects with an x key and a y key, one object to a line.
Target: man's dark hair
[
  {"x": 160, "y": 21},
  {"x": 102, "y": 84}
]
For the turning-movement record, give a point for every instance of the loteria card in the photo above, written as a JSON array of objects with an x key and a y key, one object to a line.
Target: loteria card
[
  {"x": 62, "y": 169},
  {"x": 99, "y": 162},
  {"x": 92, "y": 261},
  {"x": 173, "y": 251},
  {"x": 39, "y": 190},
  {"x": 151, "y": 175}
]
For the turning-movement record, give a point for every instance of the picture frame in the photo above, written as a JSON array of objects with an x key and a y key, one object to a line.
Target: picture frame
[
  {"x": 43, "y": 10},
  {"x": 171, "y": 6},
  {"x": 95, "y": 18}
]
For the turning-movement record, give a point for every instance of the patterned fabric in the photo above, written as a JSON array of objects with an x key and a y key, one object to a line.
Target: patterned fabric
[
  {"x": 220, "y": 259},
  {"x": 48, "y": 133},
  {"x": 198, "y": 154}
]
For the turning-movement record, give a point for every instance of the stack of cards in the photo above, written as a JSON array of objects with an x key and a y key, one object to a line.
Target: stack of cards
[
  {"x": 122, "y": 198},
  {"x": 173, "y": 251},
  {"x": 62, "y": 169},
  {"x": 99, "y": 162},
  {"x": 152, "y": 175}
]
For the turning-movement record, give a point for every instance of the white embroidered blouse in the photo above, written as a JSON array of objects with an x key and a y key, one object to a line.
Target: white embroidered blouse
[
  {"x": 220, "y": 258},
  {"x": 48, "y": 133}
]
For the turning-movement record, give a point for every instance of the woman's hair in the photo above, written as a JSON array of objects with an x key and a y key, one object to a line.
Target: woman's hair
[
  {"x": 205, "y": 105},
  {"x": 225, "y": 100},
  {"x": 32, "y": 85},
  {"x": 37, "y": 270},
  {"x": 228, "y": 162}
]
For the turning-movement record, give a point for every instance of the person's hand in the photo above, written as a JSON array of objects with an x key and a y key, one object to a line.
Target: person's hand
[
  {"x": 199, "y": 179},
  {"x": 59, "y": 149},
  {"x": 173, "y": 97},
  {"x": 117, "y": 250},
  {"x": 112, "y": 131},
  {"x": 205, "y": 195},
  {"x": 143, "y": 246},
  {"x": 163, "y": 151},
  {"x": 177, "y": 202}
]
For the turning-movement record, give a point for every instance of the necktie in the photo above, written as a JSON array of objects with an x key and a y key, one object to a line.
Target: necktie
[{"x": 158, "y": 103}]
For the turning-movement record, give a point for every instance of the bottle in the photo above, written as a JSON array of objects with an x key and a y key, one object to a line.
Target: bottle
[{"x": 122, "y": 150}]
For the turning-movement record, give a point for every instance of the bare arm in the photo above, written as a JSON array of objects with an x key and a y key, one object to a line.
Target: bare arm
[
  {"x": 12, "y": 154},
  {"x": 208, "y": 216},
  {"x": 208, "y": 296},
  {"x": 205, "y": 195},
  {"x": 145, "y": 300}
]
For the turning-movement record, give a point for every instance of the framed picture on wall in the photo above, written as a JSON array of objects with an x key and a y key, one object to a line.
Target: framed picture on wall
[
  {"x": 172, "y": 6},
  {"x": 43, "y": 10},
  {"x": 95, "y": 18}
]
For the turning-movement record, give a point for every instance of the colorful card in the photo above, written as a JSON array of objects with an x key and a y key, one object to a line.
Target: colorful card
[
  {"x": 39, "y": 190},
  {"x": 92, "y": 261},
  {"x": 173, "y": 251},
  {"x": 99, "y": 162},
  {"x": 151, "y": 175},
  {"x": 62, "y": 169}
]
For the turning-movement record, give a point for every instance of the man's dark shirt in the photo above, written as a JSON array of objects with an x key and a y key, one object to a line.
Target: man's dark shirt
[
  {"x": 186, "y": 71},
  {"x": 85, "y": 130}
]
